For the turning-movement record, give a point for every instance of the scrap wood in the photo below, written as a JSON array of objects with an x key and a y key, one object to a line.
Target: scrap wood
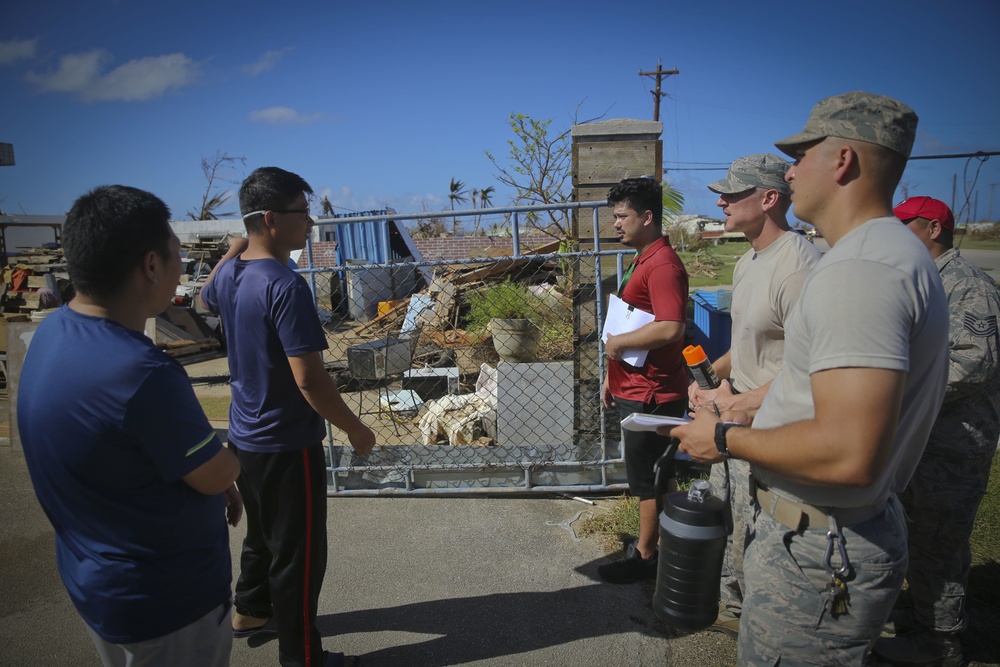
[
  {"x": 386, "y": 318},
  {"x": 444, "y": 302},
  {"x": 501, "y": 269},
  {"x": 170, "y": 331},
  {"x": 179, "y": 348}
]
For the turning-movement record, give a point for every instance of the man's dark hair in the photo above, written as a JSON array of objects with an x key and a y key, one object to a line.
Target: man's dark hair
[
  {"x": 107, "y": 234},
  {"x": 269, "y": 188},
  {"x": 641, "y": 195}
]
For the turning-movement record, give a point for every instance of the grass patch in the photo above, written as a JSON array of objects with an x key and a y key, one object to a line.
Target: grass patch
[
  {"x": 977, "y": 244},
  {"x": 712, "y": 266},
  {"x": 985, "y": 539},
  {"x": 621, "y": 520},
  {"x": 216, "y": 407},
  {"x": 614, "y": 526}
]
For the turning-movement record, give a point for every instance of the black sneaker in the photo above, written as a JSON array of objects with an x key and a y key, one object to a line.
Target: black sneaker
[{"x": 630, "y": 569}]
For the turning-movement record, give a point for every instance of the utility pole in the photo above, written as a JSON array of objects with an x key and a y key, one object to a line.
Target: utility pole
[
  {"x": 992, "y": 217},
  {"x": 660, "y": 74}
]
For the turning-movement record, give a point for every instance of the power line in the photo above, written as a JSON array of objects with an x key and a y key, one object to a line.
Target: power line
[
  {"x": 660, "y": 74},
  {"x": 955, "y": 155}
]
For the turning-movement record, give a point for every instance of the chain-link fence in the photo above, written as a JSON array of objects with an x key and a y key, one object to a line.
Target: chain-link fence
[{"x": 479, "y": 367}]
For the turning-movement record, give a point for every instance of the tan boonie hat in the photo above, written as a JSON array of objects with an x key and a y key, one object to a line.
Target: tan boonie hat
[
  {"x": 859, "y": 115},
  {"x": 762, "y": 170}
]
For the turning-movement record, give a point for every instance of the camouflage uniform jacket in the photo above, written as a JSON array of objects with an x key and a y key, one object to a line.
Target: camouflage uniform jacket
[{"x": 969, "y": 422}]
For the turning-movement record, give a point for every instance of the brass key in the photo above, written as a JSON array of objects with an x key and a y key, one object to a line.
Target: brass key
[{"x": 840, "y": 599}]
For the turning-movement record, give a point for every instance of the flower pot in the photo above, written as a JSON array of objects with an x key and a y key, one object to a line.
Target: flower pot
[{"x": 515, "y": 340}]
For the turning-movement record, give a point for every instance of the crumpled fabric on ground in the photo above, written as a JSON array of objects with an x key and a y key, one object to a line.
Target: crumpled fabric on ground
[{"x": 460, "y": 418}]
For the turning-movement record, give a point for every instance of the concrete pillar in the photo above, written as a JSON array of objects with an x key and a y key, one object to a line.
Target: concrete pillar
[{"x": 604, "y": 153}]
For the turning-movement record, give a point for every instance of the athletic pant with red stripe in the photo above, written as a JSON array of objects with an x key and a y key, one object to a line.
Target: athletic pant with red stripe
[{"x": 284, "y": 552}]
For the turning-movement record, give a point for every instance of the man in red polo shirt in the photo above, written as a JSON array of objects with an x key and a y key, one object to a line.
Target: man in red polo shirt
[{"x": 655, "y": 282}]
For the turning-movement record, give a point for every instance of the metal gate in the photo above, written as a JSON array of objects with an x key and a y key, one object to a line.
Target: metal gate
[{"x": 424, "y": 350}]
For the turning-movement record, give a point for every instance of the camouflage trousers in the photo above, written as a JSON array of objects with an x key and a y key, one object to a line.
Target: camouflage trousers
[
  {"x": 731, "y": 586},
  {"x": 786, "y": 618},
  {"x": 941, "y": 502}
]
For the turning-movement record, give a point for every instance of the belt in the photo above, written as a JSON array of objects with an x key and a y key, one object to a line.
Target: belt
[{"x": 799, "y": 516}]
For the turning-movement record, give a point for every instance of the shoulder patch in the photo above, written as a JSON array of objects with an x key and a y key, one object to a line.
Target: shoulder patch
[{"x": 985, "y": 327}]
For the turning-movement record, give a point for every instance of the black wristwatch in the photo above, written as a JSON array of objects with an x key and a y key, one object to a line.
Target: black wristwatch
[{"x": 720, "y": 436}]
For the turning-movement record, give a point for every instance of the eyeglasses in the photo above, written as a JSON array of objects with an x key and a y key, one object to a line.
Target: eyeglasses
[{"x": 277, "y": 210}]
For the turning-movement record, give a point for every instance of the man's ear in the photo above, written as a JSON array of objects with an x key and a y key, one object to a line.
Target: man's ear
[
  {"x": 846, "y": 162},
  {"x": 269, "y": 224},
  {"x": 647, "y": 218},
  {"x": 152, "y": 266},
  {"x": 769, "y": 200},
  {"x": 934, "y": 229}
]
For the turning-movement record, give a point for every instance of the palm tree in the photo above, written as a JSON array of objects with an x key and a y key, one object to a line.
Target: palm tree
[
  {"x": 456, "y": 194},
  {"x": 485, "y": 199},
  {"x": 673, "y": 206},
  {"x": 485, "y": 196},
  {"x": 327, "y": 206}
]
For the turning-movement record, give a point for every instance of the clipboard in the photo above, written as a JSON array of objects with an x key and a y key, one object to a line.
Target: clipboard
[
  {"x": 638, "y": 421},
  {"x": 623, "y": 318}
]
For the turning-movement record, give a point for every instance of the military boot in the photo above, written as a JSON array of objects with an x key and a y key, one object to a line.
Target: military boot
[
  {"x": 901, "y": 622},
  {"x": 920, "y": 648},
  {"x": 728, "y": 622}
]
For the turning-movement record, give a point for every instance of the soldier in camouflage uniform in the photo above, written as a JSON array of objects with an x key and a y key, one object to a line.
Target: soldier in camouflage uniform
[
  {"x": 942, "y": 498},
  {"x": 767, "y": 280},
  {"x": 844, "y": 422}
]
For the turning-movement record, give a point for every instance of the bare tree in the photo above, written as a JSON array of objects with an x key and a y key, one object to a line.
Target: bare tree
[
  {"x": 212, "y": 201},
  {"x": 539, "y": 168},
  {"x": 427, "y": 227}
]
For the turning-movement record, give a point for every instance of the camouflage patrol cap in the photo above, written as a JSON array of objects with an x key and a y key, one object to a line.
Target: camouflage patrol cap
[
  {"x": 859, "y": 115},
  {"x": 762, "y": 170}
]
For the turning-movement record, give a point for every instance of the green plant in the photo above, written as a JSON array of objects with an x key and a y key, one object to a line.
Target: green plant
[{"x": 504, "y": 300}]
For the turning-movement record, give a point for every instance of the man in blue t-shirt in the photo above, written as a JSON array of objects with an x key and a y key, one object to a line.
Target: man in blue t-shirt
[
  {"x": 282, "y": 394},
  {"x": 123, "y": 461}
]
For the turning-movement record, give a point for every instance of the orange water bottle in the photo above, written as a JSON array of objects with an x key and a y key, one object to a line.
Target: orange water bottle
[{"x": 700, "y": 367}]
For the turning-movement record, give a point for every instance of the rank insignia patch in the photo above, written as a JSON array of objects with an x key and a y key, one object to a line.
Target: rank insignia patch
[{"x": 986, "y": 326}]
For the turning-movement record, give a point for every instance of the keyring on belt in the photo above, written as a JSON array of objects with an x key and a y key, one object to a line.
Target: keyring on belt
[{"x": 835, "y": 536}]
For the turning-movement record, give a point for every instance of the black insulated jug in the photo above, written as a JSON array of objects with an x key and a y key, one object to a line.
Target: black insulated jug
[{"x": 692, "y": 546}]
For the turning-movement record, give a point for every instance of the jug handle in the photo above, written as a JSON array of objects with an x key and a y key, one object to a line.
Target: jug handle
[{"x": 660, "y": 473}]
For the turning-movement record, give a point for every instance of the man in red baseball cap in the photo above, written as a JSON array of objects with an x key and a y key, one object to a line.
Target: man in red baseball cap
[
  {"x": 943, "y": 495},
  {"x": 926, "y": 208}
]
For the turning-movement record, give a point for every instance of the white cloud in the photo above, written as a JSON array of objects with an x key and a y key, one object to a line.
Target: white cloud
[
  {"x": 141, "y": 79},
  {"x": 13, "y": 50},
  {"x": 266, "y": 62},
  {"x": 283, "y": 116}
]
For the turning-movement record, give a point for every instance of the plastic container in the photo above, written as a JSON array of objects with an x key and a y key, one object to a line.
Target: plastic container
[{"x": 713, "y": 327}]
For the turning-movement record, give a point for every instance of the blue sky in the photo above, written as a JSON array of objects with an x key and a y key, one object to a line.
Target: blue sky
[{"x": 382, "y": 103}]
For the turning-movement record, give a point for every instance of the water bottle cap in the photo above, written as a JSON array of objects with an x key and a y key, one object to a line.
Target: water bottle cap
[{"x": 699, "y": 491}]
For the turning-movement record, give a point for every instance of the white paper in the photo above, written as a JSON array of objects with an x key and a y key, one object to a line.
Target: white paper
[
  {"x": 640, "y": 422},
  {"x": 623, "y": 318}
]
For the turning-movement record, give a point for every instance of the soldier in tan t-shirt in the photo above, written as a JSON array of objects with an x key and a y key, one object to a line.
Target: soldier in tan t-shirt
[{"x": 767, "y": 280}]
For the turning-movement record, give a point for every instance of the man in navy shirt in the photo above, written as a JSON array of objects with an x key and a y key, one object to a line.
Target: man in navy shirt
[
  {"x": 124, "y": 463},
  {"x": 282, "y": 394}
]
